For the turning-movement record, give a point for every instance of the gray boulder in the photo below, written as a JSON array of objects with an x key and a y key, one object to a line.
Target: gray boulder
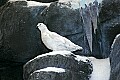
[
  {"x": 59, "y": 59},
  {"x": 115, "y": 59},
  {"x": 19, "y": 37},
  {"x": 109, "y": 10},
  {"x": 108, "y": 27}
]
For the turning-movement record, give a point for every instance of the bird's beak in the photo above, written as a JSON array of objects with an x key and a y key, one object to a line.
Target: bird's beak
[{"x": 37, "y": 27}]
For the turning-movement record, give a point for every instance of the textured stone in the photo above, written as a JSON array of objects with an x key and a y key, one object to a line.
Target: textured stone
[
  {"x": 19, "y": 37},
  {"x": 68, "y": 75},
  {"x": 115, "y": 59},
  {"x": 109, "y": 10},
  {"x": 44, "y": 1},
  {"x": 107, "y": 32},
  {"x": 2, "y": 2},
  {"x": 109, "y": 25},
  {"x": 59, "y": 60}
]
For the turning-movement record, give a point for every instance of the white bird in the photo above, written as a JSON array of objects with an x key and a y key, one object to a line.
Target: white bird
[{"x": 55, "y": 42}]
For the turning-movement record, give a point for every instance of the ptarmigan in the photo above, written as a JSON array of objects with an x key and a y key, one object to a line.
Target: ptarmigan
[{"x": 56, "y": 42}]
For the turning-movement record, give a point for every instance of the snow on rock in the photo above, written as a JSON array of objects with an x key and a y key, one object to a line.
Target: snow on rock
[
  {"x": 87, "y": 2},
  {"x": 64, "y": 53},
  {"x": 51, "y": 69},
  {"x": 115, "y": 40},
  {"x": 16, "y": 0},
  {"x": 75, "y": 4},
  {"x": 34, "y": 3},
  {"x": 101, "y": 69},
  {"x": 81, "y": 58},
  {"x": 60, "y": 59}
]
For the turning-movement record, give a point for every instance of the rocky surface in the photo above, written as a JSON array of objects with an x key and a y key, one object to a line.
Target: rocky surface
[
  {"x": 68, "y": 75},
  {"x": 44, "y": 1},
  {"x": 19, "y": 37},
  {"x": 60, "y": 59},
  {"x": 108, "y": 27},
  {"x": 90, "y": 14},
  {"x": 2, "y": 2},
  {"x": 109, "y": 10},
  {"x": 115, "y": 59}
]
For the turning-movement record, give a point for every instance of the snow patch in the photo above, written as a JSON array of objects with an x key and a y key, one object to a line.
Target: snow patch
[
  {"x": 34, "y": 3},
  {"x": 51, "y": 69},
  {"x": 87, "y": 2},
  {"x": 74, "y": 4},
  {"x": 16, "y": 0},
  {"x": 115, "y": 40},
  {"x": 101, "y": 69},
  {"x": 81, "y": 58},
  {"x": 63, "y": 53}
]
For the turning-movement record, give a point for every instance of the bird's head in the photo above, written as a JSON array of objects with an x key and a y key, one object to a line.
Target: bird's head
[{"x": 42, "y": 26}]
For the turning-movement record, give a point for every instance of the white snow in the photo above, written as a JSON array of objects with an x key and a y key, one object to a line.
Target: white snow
[
  {"x": 63, "y": 53},
  {"x": 101, "y": 69},
  {"x": 16, "y": 0},
  {"x": 87, "y": 2},
  {"x": 34, "y": 3},
  {"x": 75, "y": 4},
  {"x": 51, "y": 69},
  {"x": 81, "y": 58},
  {"x": 115, "y": 40}
]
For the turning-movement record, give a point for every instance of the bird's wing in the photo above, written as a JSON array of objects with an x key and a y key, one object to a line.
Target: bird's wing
[
  {"x": 57, "y": 37},
  {"x": 64, "y": 42}
]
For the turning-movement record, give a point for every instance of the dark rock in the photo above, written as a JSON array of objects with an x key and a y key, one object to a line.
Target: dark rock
[
  {"x": 107, "y": 32},
  {"x": 11, "y": 73},
  {"x": 109, "y": 10},
  {"x": 108, "y": 27},
  {"x": 67, "y": 75},
  {"x": 19, "y": 38},
  {"x": 59, "y": 60},
  {"x": 66, "y": 21},
  {"x": 115, "y": 59},
  {"x": 44, "y": 1},
  {"x": 2, "y": 2}
]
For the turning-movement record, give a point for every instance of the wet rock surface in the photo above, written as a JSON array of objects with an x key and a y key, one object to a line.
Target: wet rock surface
[{"x": 115, "y": 59}]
